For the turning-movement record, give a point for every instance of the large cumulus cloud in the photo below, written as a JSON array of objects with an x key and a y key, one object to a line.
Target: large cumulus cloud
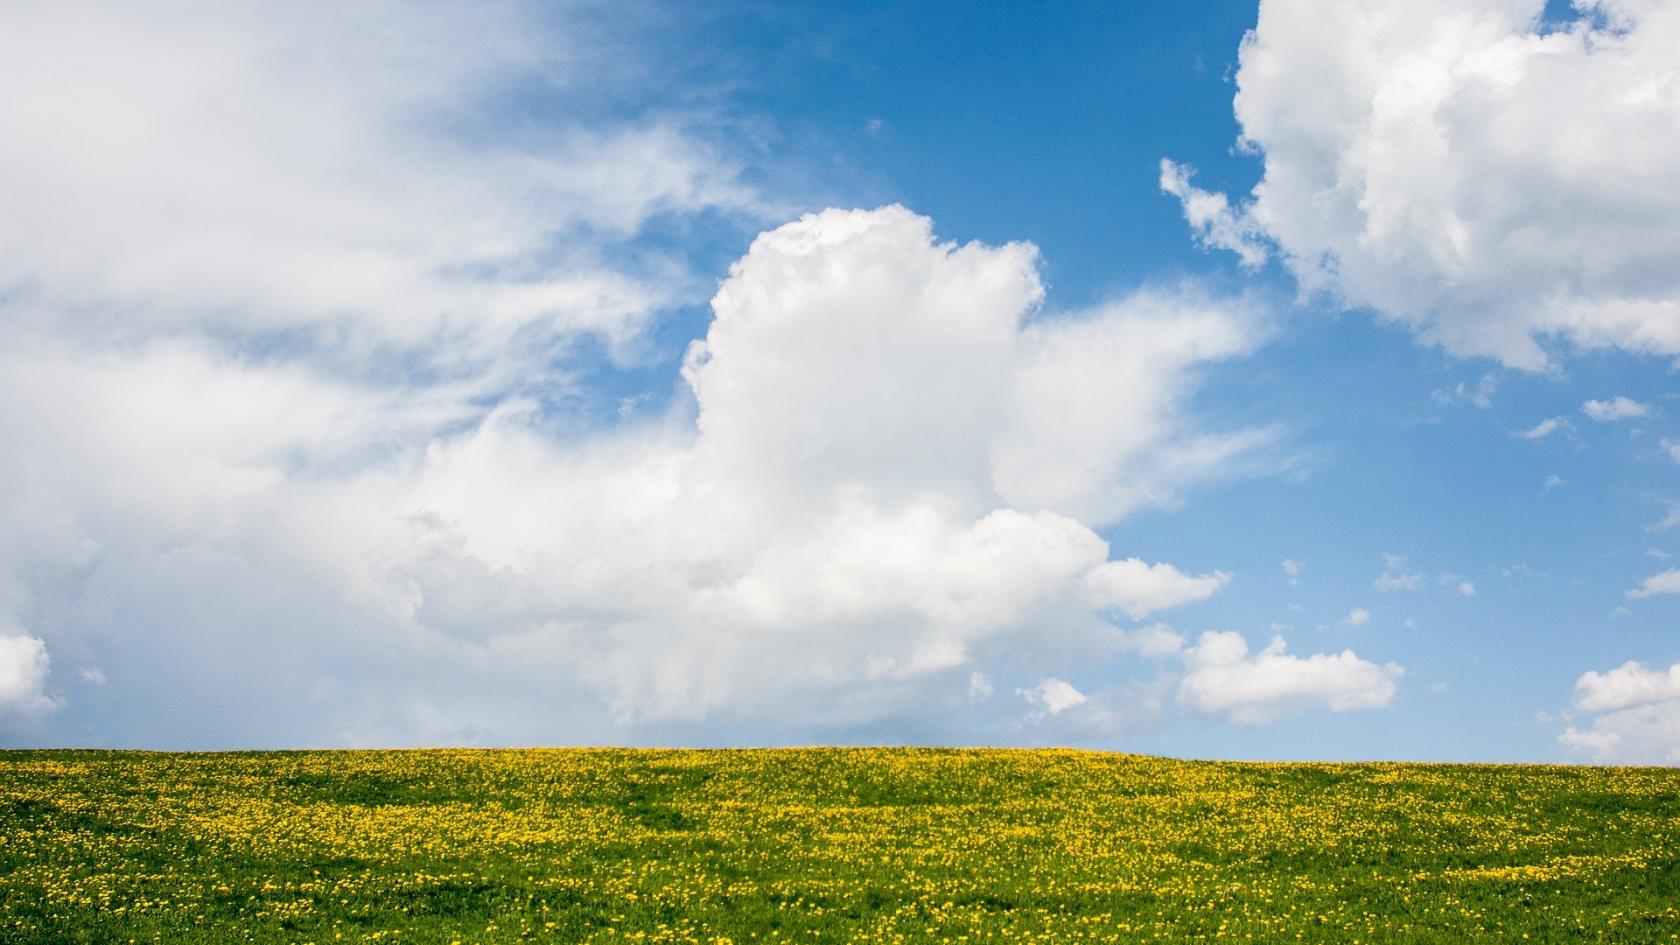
[
  {"x": 849, "y": 510},
  {"x": 1502, "y": 186},
  {"x": 285, "y": 358}
]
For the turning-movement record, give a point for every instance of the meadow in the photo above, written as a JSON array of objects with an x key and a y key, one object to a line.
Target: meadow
[{"x": 825, "y": 845}]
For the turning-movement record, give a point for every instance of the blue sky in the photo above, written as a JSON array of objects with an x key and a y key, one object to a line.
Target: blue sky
[{"x": 845, "y": 373}]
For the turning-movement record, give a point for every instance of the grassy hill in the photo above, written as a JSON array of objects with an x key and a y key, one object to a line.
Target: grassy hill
[{"x": 825, "y": 845}]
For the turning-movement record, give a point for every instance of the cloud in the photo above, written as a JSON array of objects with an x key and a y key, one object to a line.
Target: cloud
[
  {"x": 1480, "y": 396},
  {"x": 1053, "y": 695},
  {"x": 1544, "y": 429},
  {"x": 1616, "y": 408},
  {"x": 1464, "y": 587},
  {"x": 1211, "y": 218},
  {"x": 1636, "y": 715},
  {"x": 1156, "y": 641},
  {"x": 290, "y": 329},
  {"x": 23, "y": 674},
  {"x": 276, "y": 178},
  {"x": 1666, "y": 582},
  {"x": 1223, "y": 679},
  {"x": 1670, "y": 519},
  {"x": 1137, "y": 588},
  {"x": 1625, "y": 687},
  {"x": 1062, "y": 448},
  {"x": 1413, "y": 164},
  {"x": 1395, "y": 577},
  {"x": 1291, "y": 571},
  {"x": 1552, "y": 481},
  {"x": 1357, "y": 617},
  {"x": 843, "y": 513},
  {"x": 882, "y": 476}
]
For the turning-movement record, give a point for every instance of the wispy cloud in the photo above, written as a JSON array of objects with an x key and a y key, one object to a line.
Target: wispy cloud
[
  {"x": 1395, "y": 577},
  {"x": 1292, "y": 571},
  {"x": 1544, "y": 429},
  {"x": 1665, "y": 582}
]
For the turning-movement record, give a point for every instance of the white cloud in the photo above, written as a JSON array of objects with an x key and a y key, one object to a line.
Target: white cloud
[
  {"x": 1414, "y": 163},
  {"x": 1212, "y": 219},
  {"x": 858, "y": 508},
  {"x": 285, "y": 334},
  {"x": 1464, "y": 587},
  {"x": 323, "y": 182},
  {"x": 1672, "y": 447},
  {"x": 1670, "y": 519},
  {"x": 1357, "y": 617},
  {"x": 1223, "y": 679},
  {"x": 1292, "y": 571},
  {"x": 1616, "y": 408},
  {"x": 23, "y": 674},
  {"x": 1552, "y": 482},
  {"x": 1481, "y": 395},
  {"x": 1137, "y": 588},
  {"x": 1636, "y": 715},
  {"x": 1665, "y": 582},
  {"x": 1544, "y": 429},
  {"x": 1156, "y": 641},
  {"x": 1062, "y": 448},
  {"x": 1053, "y": 695},
  {"x": 1395, "y": 577},
  {"x": 1626, "y": 686}
]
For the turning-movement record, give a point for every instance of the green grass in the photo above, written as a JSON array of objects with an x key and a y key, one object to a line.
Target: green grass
[{"x": 825, "y": 845}]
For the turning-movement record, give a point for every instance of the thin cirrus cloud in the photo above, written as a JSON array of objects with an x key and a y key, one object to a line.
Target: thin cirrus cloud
[
  {"x": 1404, "y": 146},
  {"x": 1395, "y": 577}
]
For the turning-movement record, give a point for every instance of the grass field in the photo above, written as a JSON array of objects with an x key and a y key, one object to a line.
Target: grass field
[{"x": 825, "y": 845}]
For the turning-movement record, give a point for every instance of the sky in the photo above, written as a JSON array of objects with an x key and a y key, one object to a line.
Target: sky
[{"x": 1291, "y": 380}]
